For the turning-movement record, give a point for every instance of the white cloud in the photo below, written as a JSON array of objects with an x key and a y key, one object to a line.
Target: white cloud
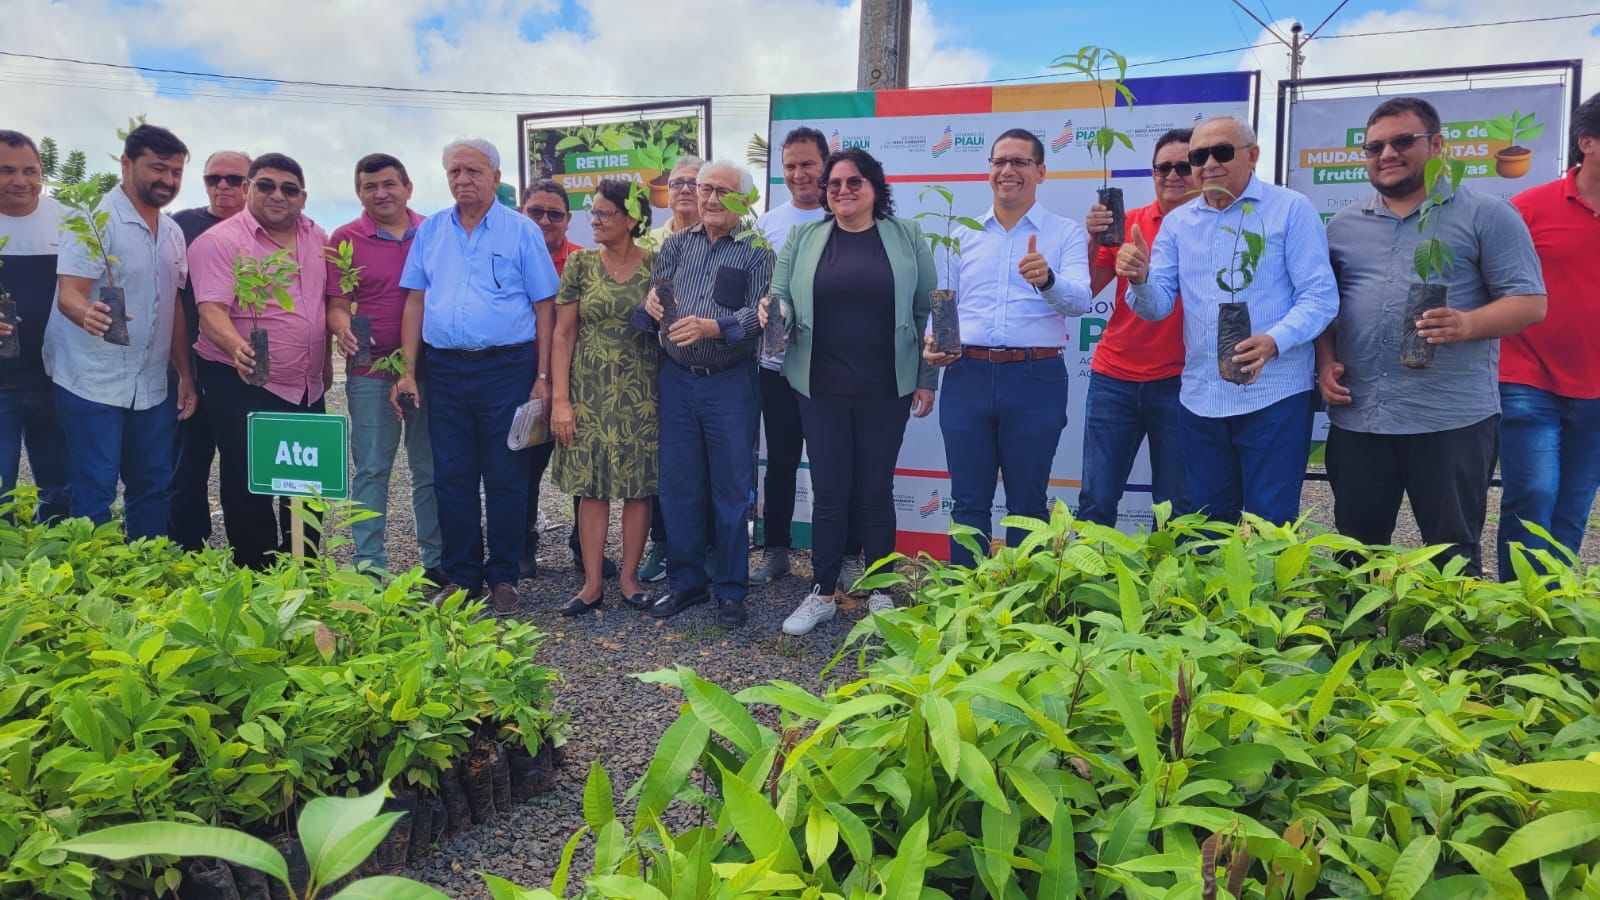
[{"x": 670, "y": 47}]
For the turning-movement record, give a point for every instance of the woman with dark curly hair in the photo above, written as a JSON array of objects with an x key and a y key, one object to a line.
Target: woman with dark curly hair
[
  {"x": 603, "y": 392},
  {"x": 854, "y": 289}
]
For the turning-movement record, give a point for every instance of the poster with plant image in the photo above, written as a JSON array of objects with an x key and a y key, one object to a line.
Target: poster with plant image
[{"x": 581, "y": 148}]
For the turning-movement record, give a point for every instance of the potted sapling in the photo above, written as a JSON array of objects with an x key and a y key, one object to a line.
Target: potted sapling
[
  {"x": 87, "y": 224},
  {"x": 258, "y": 283},
  {"x": 343, "y": 259},
  {"x": 1233, "y": 316},
  {"x": 1092, "y": 62},
  {"x": 774, "y": 337},
  {"x": 1432, "y": 259},
  {"x": 11, "y": 344},
  {"x": 944, "y": 321},
  {"x": 397, "y": 365}
]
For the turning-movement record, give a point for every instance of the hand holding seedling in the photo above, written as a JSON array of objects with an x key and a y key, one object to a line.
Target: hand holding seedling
[
  {"x": 652, "y": 305},
  {"x": 689, "y": 329},
  {"x": 761, "y": 312},
  {"x": 97, "y": 319},
  {"x": 1033, "y": 267},
  {"x": 244, "y": 360},
  {"x": 348, "y": 345},
  {"x": 1097, "y": 220},
  {"x": 1133, "y": 259},
  {"x": 1445, "y": 326},
  {"x": 1254, "y": 351},
  {"x": 1330, "y": 382},
  {"x": 933, "y": 357}
]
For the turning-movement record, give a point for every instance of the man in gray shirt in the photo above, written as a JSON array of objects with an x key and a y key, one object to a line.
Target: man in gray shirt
[{"x": 1431, "y": 434}]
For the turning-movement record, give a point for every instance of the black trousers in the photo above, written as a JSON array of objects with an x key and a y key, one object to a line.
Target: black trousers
[
  {"x": 189, "y": 522},
  {"x": 780, "y": 421},
  {"x": 253, "y": 531},
  {"x": 1444, "y": 473},
  {"x": 853, "y": 442}
]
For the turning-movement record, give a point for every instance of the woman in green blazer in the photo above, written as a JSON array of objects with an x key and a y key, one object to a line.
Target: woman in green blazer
[{"x": 854, "y": 291}]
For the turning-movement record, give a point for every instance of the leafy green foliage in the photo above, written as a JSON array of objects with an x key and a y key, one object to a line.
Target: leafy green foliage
[
  {"x": 1237, "y": 276},
  {"x": 258, "y": 283},
  {"x": 744, "y": 205},
  {"x": 1434, "y": 257},
  {"x": 1203, "y": 711},
  {"x": 948, "y": 242},
  {"x": 142, "y": 683},
  {"x": 342, "y": 258},
  {"x": 1092, "y": 62},
  {"x": 86, "y": 222},
  {"x": 757, "y": 152},
  {"x": 1514, "y": 128},
  {"x": 395, "y": 364},
  {"x": 338, "y": 833}
]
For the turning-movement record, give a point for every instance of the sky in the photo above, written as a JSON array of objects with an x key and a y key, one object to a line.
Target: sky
[{"x": 577, "y": 53}]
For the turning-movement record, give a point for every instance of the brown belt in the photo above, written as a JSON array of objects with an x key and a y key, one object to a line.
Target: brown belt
[{"x": 1010, "y": 354}]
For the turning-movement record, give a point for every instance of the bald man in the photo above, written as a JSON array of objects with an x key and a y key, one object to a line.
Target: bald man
[{"x": 189, "y": 523}]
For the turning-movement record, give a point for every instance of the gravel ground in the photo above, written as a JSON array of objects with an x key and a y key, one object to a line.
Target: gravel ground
[{"x": 617, "y": 718}]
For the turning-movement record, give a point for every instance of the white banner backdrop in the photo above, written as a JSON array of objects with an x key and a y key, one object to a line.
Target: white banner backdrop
[{"x": 943, "y": 136}]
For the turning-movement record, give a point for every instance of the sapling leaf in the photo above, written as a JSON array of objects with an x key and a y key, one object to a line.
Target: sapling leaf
[
  {"x": 179, "y": 839},
  {"x": 969, "y": 222}
]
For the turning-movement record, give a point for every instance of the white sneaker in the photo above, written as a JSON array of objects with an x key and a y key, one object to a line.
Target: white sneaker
[
  {"x": 543, "y": 522},
  {"x": 880, "y": 602},
  {"x": 813, "y": 611}
]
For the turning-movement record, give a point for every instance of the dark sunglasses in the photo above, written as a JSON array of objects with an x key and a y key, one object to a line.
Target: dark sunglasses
[
  {"x": 1222, "y": 153},
  {"x": 1401, "y": 143},
  {"x": 267, "y": 186},
  {"x": 214, "y": 180},
  {"x": 852, "y": 184},
  {"x": 1162, "y": 170},
  {"x": 539, "y": 212}
]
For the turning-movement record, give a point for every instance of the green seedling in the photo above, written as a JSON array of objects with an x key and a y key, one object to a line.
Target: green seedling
[
  {"x": 395, "y": 364},
  {"x": 261, "y": 282},
  {"x": 87, "y": 223},
  {"x": 1433, "y": 258},
  {"x": 343, "y": 258},
  {"x": 948, "y": 242},
  {"x": 1092, "y": 63}
]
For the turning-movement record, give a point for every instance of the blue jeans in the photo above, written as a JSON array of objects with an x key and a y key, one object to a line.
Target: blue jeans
[
  {"x": 110, "y": 441},
  {"x": 1254, "y": 462},
  {"x": 28, "y": 416},
  {"x": 708, "y": 432},
  {"x": 470, "y": 406},
  {"x": 1000, "y": 421},
  {"x": 375, "y": 435},
  {"x": 1118, "y": 415},
  {"x": 1549, "y": 466}
]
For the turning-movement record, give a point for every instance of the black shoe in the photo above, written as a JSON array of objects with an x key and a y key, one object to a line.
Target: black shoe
[
  {"x": 773, "y": 567},
  {"x": 578, "y": 606},
  {"x": 639, "y": 601},
  {"x": 437, "y": 576},
  {"x": 730, "y": 612},
  {"x": 674, "y": 602}
]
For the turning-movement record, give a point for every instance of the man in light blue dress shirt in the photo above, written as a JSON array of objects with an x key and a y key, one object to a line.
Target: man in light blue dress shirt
[
  {"x": 1003, "y": 401},
  {"x": 115, "y": 404},
  {"x": 480, "y": 279},
  {"x": 1245, "y": 445}
]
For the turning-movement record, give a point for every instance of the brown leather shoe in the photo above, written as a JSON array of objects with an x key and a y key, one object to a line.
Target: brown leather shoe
[
  {"x": 449, "y": 590},
  {"x": 506, "y": 599}
]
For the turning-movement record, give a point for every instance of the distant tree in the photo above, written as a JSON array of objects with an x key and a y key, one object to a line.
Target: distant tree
[
  {"x": 757, "y": 152},
  {"x": 75, "y": 168},
  {"x": 49, "y": 157}
]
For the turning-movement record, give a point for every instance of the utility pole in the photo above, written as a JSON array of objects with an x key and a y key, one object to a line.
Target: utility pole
[
  {"x": 1296, "y": 58},
  {"x": 885, "y": 61}
]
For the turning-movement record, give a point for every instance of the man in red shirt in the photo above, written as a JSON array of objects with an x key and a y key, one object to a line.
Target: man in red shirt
[
  {"x": 1133, "y": 391},
  {"x": 1550, "y": 372}
]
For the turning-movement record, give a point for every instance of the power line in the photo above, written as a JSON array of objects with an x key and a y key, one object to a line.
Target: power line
[
  {"x": 1360, "y": 34},
  {"x": 1329, "y": 18},
  {"x": 1259, "y": 21}
]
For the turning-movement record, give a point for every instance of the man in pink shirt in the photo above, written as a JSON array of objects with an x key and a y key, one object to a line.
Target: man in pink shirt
[{"x": 297, "y": 342}]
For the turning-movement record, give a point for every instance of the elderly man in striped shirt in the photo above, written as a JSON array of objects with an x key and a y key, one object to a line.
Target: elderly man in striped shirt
[{"x": 709, "y": 401}]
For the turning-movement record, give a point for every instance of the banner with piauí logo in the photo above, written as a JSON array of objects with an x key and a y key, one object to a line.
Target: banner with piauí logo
[
  {"x": 944, "y": 137},
  {"x": 1510, "y": 137}
]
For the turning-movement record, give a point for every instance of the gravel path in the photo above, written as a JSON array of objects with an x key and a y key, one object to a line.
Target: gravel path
[{"x": 617, "y": 718}]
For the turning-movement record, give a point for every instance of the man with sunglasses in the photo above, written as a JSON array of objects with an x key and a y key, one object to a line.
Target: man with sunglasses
[
  {"x": 379, "y": 239},
  {"x": 273, "y": 219},
  {"x": 480, "y": 283},
  {"x": 1245, "y": 446},
  {"x": 1137, "y": 365},
  {"x": 684, "y": 202},
  {"x": 119, "y": 411},
  {"x": 1004, "y": 397},
  {"x": 1430, "y": 434},
  {"x": 546, "y": 204},
  {"x": 189, "y": 524}
]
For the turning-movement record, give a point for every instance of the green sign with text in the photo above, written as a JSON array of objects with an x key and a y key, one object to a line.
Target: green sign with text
[{"x": 299, "y": 455}]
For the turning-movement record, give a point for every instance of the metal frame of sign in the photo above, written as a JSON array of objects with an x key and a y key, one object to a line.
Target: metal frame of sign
[
  {"x": 605, "y": 113},
  {"x": 1573, "y": 69}
]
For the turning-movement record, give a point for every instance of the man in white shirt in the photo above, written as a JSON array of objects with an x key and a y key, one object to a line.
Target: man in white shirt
[
  {"x": 1003, "y": 402},
  {"x": 804, "y": 151},
  {"x": 114, "y": 401}
]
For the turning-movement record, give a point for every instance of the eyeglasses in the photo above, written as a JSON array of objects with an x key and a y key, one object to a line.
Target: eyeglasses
[
  {"x": 214, "y": 180},
  {"x": 1400, "y": 143},
  {"x": 1016, "y": 162},
  {"x": 681, "y": 184},
  {"x": 539, "y": 212},
  {"x": 1162, "y": 170},
  {"x": 267, "y": 186},
  {"x": 604, "y": 216},
  {"x": 852, "y": 184},
  {"x": 710, "y": 190},
  {"x": 1222, "y": 153}
]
